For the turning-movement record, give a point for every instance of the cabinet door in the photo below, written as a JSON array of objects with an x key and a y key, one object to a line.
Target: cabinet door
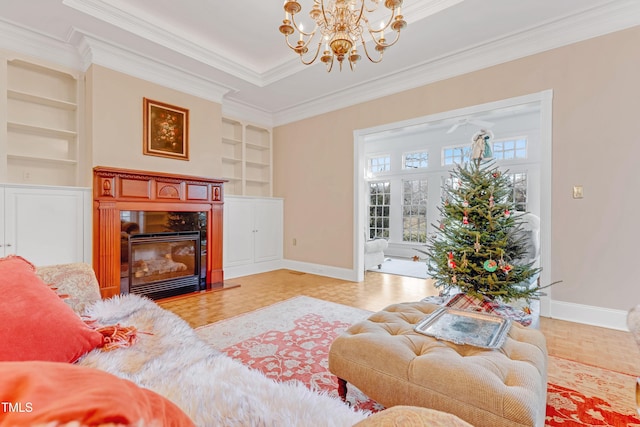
[
  {"x": 268, "y": 226},
  {"x": 238, "y": 232},
  {"x": 45, "y": 226}
]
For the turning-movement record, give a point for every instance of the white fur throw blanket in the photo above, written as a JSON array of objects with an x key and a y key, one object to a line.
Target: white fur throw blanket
[{"x": 212, "y": 388}]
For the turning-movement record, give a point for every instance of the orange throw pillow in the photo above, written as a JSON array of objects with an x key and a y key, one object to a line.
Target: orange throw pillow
[
  {"x": 38, "y": 393},
  {"x": 35, "y": 324}
]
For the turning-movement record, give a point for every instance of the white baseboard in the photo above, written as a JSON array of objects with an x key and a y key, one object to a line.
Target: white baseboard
[
  {"x": 579, "y": 313},
  {"x": 249, "y": 269},
  {"x": 589, "y": 315},
  {"x": 322, "y": 270}
]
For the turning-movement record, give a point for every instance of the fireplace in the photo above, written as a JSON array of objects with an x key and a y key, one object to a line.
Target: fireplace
[
  {"x": 160, "y": 265},
  {"x": 146, "y": 205}
]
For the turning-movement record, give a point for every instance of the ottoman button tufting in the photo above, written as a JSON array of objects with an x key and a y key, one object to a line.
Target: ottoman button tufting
[{"x": 391, "y": 363}]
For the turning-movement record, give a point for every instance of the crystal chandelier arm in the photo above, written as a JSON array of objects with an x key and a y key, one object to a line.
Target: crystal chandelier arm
[
  {"x": 300, "y": 30},
  {"x": 291, "y": 46},
  {"x": 361, "y": 14},
  {"x": 373, "y": 31},
  {"x": 366, "y": 52},
  {"x": 374, "y": 6},
  {"x": 314, "y": 56},
  {"x": 396, "y": 23}
]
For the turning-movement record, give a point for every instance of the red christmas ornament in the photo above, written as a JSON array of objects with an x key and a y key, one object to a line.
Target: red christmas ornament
[
  {"x": 507, "y": 213},
  {"x": 451, "y": 262}
]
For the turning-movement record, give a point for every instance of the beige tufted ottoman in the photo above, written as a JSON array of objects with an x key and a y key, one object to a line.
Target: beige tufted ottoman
[{"x": 393, "y": 365}]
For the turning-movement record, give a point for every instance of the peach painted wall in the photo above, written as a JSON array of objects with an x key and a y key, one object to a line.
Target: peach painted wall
[
  {"x": 114, "y": 125},
  {"x": 596, "y": 109}
]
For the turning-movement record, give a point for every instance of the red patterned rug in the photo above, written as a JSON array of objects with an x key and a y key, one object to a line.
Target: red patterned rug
[{"x": 290, "y": 341}]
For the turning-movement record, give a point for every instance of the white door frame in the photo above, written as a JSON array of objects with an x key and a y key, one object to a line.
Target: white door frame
[{"x": 544, "y": 98}]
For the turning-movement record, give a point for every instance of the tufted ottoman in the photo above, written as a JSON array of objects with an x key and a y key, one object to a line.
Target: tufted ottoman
[{"x": 393, "y": 365}]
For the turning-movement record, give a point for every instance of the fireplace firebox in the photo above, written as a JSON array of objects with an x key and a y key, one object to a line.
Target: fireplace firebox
[
  {"x": 161, "y": 265},
  {"x": 118, "y": 191}
]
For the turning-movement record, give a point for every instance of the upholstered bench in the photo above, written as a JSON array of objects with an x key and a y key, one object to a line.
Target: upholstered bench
[{"x": 394, "y": 365}]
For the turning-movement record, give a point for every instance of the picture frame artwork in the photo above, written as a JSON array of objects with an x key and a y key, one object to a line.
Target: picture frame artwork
[{"x": 166, "y": 130}]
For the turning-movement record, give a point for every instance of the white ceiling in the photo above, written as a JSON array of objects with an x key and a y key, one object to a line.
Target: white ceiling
[{"x": 232, "y": 52}]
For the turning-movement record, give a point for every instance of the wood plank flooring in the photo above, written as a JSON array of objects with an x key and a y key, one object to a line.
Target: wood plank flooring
[{"x": 602, "y": 347}]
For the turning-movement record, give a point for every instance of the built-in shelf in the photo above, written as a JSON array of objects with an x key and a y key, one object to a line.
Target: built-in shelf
[
  {"x": 67, "y": 162},
  {"x": 231, "y": 141},
  {"x": 42, "y": 131},
  {"x": 42, "y": 122},
  {"x": 257, "y": 146},
  {"x": 258, "y": 164},
  {"x": 246, "y": 158},
  {"x": 231, "y": 160},
  {"x": 36, "y": 99}
]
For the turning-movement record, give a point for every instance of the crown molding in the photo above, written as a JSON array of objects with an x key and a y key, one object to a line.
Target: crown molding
[
  {"x": 598, "y": 21},
  {"x": 134, "y": 24},
  {"x": 96, "y": 51},
  {"x": 81, "y": 49},
  {"x": 37, "y": 45},
  {"x": 241, "y": 111}
]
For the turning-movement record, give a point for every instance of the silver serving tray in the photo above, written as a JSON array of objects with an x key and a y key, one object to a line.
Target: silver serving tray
[{"x": 465, "y": 327}]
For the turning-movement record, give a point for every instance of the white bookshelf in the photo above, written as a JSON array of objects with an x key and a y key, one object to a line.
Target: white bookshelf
[
  {"x": 246, "y": 158},
  {"x": 41, "y": 144}
]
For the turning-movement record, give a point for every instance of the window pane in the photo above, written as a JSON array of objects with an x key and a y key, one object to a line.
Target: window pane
[
  {"x": 519, "y": 190},
  {"x": 416, "y": 160},
  {"x": 414, "y": 211},
  {"x": 510, "y": 149},
  {"x": 380, "y": 164},
  {"x": 453, "y": 155},
  {"x": 379, "y": 210}
]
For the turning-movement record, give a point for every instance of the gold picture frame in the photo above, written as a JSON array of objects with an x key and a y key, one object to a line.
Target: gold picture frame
[{"x": 166, "y": 130}]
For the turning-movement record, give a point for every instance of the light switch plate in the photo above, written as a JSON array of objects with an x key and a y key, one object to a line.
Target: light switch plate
[{"x": 577, "y": 192}]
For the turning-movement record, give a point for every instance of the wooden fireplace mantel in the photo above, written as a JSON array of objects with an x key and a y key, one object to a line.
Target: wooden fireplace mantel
[{"x": 115, "y": 190}]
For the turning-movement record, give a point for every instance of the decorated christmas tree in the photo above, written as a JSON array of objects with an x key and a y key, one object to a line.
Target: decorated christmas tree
[{"x": 479, "y": 245}]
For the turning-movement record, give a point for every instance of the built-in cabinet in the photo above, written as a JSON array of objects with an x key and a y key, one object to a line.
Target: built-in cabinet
[
  {"x": 246, "y": 158},
  {"x": 45, "y": 225},
  {"x": 253, "y": 228},
  {"x": 41, "y": 112}
]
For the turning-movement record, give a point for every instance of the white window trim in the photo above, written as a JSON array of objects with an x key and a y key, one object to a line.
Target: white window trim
[{"x": 543, "y": 157}]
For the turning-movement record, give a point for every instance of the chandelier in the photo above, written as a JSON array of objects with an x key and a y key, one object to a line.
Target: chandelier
[{"x": 341, "y": 25}]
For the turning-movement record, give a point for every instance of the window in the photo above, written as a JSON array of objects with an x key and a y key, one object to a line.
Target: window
[
  {"x": 380, "y": 164},
  {"x": 414, "y": 210},
  {"x": 416, "y": 160},
  {"x": 519, "y": 188},
  {"x": 510, "y": 149},
  {"x": 379, "y": 204},
  {"x": 453, "y": 155}
]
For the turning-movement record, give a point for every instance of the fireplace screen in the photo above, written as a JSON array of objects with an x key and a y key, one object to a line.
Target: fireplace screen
[{"x": 164, "y": 264}]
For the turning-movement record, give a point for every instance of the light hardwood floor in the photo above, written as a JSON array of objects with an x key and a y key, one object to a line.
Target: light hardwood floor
[{"x": 602, "y": 347}]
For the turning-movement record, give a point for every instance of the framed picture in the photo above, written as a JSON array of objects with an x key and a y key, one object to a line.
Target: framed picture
[{"x": 166, "y": 130}]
